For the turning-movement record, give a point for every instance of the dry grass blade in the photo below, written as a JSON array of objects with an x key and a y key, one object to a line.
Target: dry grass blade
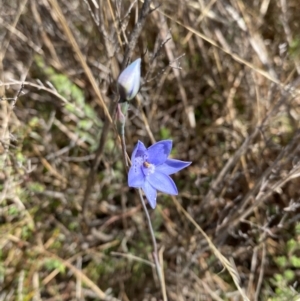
[
  {"x": 225, "y": 262},
  {"x": 233, "y": 55},
  {"x": 81, "y": 275},
  {"x": 79, "y": 54}
]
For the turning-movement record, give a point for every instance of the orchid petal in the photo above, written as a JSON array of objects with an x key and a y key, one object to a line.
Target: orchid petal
[
  {"x": 162, "y": 182},
  {"x": 151, "y": 194},
  {"x": 139, "y": 151},
  {"x": 136, "y": 176},
  {"x": 171, "y": 166},
  {"x": 159, "y": 152}
]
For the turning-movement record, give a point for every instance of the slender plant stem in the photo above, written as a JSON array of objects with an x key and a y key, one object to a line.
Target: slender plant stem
[
  {"x": 149, "y": 222},
  {"x": 124, "y": 149},
  {"x": 122, "y": 110},
  {"x": 154, "y": 243}
]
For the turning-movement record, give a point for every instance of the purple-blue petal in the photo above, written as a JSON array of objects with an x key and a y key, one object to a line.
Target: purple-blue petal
[
  {"x": 162, "y": 182},
  {"x": 159, "y": 152},
  {"x": 139, "y": 151},
  {"x": 171, "y": 166},
  {"x": 151, "y": 194},
  {"x": 136, "y": 176}
]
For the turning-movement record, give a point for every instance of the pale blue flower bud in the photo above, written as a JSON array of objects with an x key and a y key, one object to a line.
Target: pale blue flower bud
[{"x": 129, "y": 81}]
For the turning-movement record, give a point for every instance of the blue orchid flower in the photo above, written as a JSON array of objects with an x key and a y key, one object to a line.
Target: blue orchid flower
[
  {"x": 151, "y": 168},
  {"x": 129, "y": 81}
]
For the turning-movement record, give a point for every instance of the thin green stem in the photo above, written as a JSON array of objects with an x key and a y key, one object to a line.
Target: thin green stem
[
  {"x": 122, "y": 109},
  {"x": 154, "y": 243}
]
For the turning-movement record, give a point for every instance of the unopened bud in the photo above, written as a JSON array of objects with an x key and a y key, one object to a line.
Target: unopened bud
[{"x": 129, "y": 81}]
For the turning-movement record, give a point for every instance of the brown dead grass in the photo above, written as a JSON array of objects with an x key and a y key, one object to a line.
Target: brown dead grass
[{"x": 225, "y": 88}]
